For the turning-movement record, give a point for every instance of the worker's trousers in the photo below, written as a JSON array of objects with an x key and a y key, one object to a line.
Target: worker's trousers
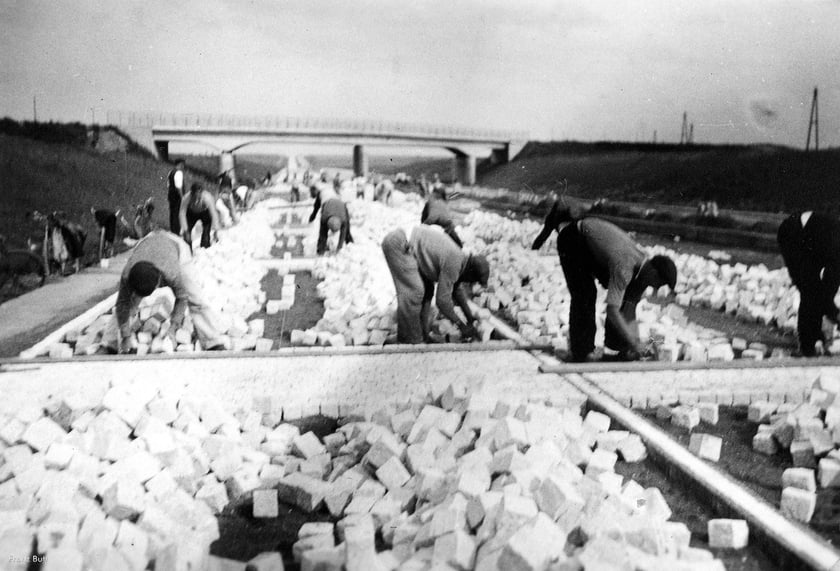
[
  {"x": 409, "y": 285},
  {"x": 206, "y": 226},
  {"x": 817, "y": 283},
  {"x": 174, "y": 198},
  {"x": 576, "y": 261}
]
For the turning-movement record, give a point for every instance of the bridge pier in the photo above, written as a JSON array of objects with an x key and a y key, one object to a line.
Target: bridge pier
[
  {"x": 360, "y": 162},
  {"x": 227, "y": 162},
  {"x": 162, "y": 148},
  {"x": 465, "y": 169}
]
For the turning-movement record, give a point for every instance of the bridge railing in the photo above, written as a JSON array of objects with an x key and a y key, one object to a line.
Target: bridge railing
[{"x": 151, "y": 120}]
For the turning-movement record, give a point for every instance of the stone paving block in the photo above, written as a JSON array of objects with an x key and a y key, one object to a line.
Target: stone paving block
[
  {"x": 556, "y": 496},
  {"x": 765, "y": 443},
  {"x": 686, "y": 417},
  {"x": 316, "y": 528},
  {"x": 133, "y": 543},
  {"x": 802, "y": 478},
  {"x": 42, "y": 433},
  {"x": 56, "y": 534},
  {"x": 598, "y": 421},
  {"x": 265, "y": 504},
  {"x": 611, "y": 439},
  {"x": 29, "y": 480},
  {"x": 323, "y": 559},
  {"x": 360, "y": 548},
  {"x": 508, "y": 431},
  {"x": 728, "y": 533},
  {"x": 393, "y": 474},
  {"x": 632, "y": 449},
  {"x": 705, "y": 446},
  {"x": 456, "y": 548},
  {"x": 533, "y": 546},
  {"x": 798, "y": 504},
  {"x": 709, "y": 412},
  {"x": 822, "y": 442},
  {"x": 303, "y": 491},
  {"x": 123, "y": 500},
  {"x": 802, "y": 454},
  {"x": 267, "y": 561},
  {"x": 655, "y": 506},
  {"x": 214, "y": 494},
  {"x": 807, "y": 427},
  {"x": 58, "y": 456},
  {"x": 829, "y": 473},
  {"x": 600, "y": 461},
  {"x": 243, "y": 482},
  {"x": 453, "y": 394},
  {"x": 161, "y": 484}
]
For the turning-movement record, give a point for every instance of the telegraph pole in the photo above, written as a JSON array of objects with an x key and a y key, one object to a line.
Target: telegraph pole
[
  {"x": 687, "y": 131},
  {"x": 814, "y": 121},
  {"x": 34, "y": 110}
]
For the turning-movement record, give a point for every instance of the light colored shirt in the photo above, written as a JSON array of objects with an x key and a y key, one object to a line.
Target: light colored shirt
[
  {"x": 616, "y": 256},
  {"x": 439, "y": 260},
  {"x": 167, "y": 252}
]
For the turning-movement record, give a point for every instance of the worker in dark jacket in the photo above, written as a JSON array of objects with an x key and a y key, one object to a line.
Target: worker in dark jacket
[
  {"x": 334, "y": 218},
  {"x": 593, "y": 249},
  {"x": 436, "y": 212},
  {"x": 177, "y": 190},
  {"x": 321, "y": 193},
  {"x": 419, "y": 259},
  {"x": 162, "y": 259},
  {"x": 810, "y": 245}
]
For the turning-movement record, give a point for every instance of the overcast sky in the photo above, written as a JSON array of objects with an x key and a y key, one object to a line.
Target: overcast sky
[{"x": 744, "y": 71}]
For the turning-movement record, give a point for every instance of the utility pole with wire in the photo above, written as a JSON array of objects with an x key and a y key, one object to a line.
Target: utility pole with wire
[
  {"x": 814, "y": 121},
  {"x": 34, "y": 110},
  {"x": 687, "y": 131}
]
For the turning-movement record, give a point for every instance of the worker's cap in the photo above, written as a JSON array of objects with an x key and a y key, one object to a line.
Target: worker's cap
[
  {"x": 477, "y": 270},
  {"x": 143, "y": 278},
  {"x": 334, "y": 223},
  {"x": 666, "y": 268}
]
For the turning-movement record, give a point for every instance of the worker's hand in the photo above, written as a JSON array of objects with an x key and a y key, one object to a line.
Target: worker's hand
[
  {"x": 632, "y": 354},
  {"x": 128, "y": 344},
  {"x": 468, "y": 331},
  {"x": 827, "y": 332}
]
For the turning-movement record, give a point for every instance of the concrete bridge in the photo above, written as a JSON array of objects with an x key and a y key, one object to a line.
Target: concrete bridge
[{"x": 230, "y": 133}]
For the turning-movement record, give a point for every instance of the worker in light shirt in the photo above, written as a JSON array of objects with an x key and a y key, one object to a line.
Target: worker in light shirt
[
  {"x": 436, "y": 212},
  {"x": 162, "y": 259},
  {"x": 420, "y": 258},
  {"x": 592, "y": 249},
  {"x": 810, "y": 245}
]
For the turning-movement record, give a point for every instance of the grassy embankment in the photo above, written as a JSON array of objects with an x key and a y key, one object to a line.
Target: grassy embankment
[{"x": 763, "y": 178}]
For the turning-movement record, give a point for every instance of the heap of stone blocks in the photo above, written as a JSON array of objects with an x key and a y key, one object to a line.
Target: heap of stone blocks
[
  {"x": 810, "y": 432},
  {"x": 135, "y": 477}
]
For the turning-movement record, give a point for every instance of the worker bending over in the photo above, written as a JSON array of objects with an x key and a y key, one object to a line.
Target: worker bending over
[
  {"x": 198, "y": 205},
  {"x": 810, "y": 245},
  {"x": 321, "y": 193},
  {"x": 593, "y": 249},
  {"x": 436, "y": 212},
  {"x": 162, "y": 259},
  {"x": 418, "y": 260},
  {"x": 334, "y": 218}
]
